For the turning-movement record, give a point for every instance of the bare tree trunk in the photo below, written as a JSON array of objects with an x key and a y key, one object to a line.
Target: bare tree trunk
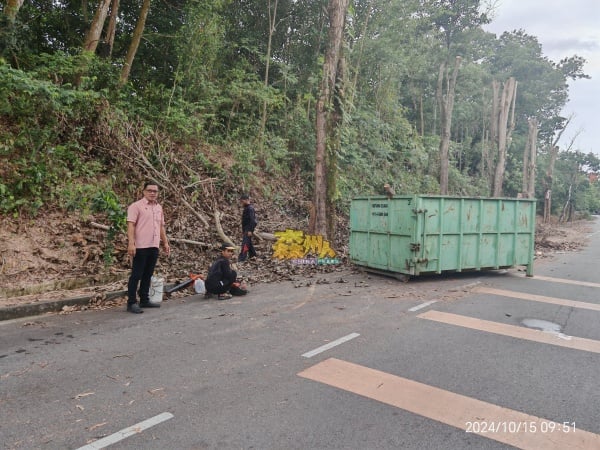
[
  {"x": 92, "y": 37},
  {"x": 484, "y": 164},
  {"x": 566, "y": 212},
  {"x": 272, "y": 19},
  {"x": 549, "y": 178},
  {"x": 337, "y": 14},
  {"x": 112, "y": 27},
  {"x": 422, "y": 115},
  {"x": 526, "y": 152},
  {"x": 446, "y": 105},
  {"x": 507, "y": 104},
  {"x": 12, "y": 9},
  {"x": 533, "y": 132},
  {"x": 363, "y": 37},
  {"x": 135, "y": 42}
]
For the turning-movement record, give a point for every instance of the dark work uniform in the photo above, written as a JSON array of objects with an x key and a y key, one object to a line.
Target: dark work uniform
[
  {"x": 248, "y": 224},
  {"x": 220, "y": 276}
]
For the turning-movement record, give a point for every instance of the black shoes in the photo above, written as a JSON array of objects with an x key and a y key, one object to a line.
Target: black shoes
[
  {"x": 134, "y": 308},
  {"x": 235, "y": 290},
  {"x": 149, "y": 305}
]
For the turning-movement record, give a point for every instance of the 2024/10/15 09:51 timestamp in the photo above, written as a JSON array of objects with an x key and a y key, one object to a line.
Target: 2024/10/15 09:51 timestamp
[{"x": 513, "y": 426}]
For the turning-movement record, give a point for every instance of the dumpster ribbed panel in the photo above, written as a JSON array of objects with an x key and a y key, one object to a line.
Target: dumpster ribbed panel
[{"x": 433, "y": 234}]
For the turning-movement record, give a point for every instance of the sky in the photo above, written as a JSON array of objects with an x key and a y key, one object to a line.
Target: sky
[{"x": 564, "y": 28}]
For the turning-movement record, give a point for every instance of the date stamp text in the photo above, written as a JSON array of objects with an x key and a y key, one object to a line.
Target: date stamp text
[{"x": 513, "y": 426}]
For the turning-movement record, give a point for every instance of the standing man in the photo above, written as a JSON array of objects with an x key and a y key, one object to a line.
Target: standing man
[
  {"x": 248, "y": 226},
  {"x": 145, "y": 232}
]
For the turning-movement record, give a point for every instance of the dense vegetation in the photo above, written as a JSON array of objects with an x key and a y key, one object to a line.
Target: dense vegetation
[{"x": 220, "y": 97}]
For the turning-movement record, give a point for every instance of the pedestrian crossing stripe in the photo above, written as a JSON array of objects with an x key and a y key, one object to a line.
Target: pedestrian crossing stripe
[
  {"x": 456, "y": 410},
  {"x": 537, "y": 298},
  {"x": 565, "y": 281},
  {"x": 577, "y": 343}
]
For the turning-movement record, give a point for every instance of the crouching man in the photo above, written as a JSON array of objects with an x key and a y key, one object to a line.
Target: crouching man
[{"x": 222, "y": 279}]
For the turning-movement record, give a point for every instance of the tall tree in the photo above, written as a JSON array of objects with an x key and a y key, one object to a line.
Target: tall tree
[
  {"x": 135, "y": 42},
  {"x": 504, "y": 111},
  {"x": 445, "y": 101},
  {"x": 529, "y": 159},
  {"x": 92, "y": 37},
  {"x": 109, "y": 40},
  {"x": 272, "y": 22},
  {"x": 325, "y": 107},
  {"x": 12, "y": 9}
]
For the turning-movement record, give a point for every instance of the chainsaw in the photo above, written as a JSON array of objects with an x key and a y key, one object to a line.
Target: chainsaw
[{"x": 193, "y": 277}]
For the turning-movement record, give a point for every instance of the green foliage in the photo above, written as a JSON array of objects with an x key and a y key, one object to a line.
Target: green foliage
[
  {"x": 41, "y": 151},
  {"x": 107, "y": 202},
  {"x": 198, "y": 81}
]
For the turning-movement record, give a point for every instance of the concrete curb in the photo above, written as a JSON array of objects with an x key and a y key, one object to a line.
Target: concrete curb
[{"x": 35, "y": 309}]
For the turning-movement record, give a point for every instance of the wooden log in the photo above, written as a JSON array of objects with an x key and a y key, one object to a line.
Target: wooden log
[{"x": 172, "y": 239}]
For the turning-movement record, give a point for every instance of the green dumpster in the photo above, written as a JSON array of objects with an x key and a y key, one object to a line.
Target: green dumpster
[{"x": 420, "y": 234}]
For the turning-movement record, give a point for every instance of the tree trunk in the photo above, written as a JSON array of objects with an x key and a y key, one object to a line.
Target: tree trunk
[
  {"x": 135, "y": 42},
  {"x": 533, "y": 132},
  {"x": 92, "y": 37},
  {"x": 112, "y": 27},
  {"x": 12, "y": 9},
  {"x": 446, "y": 105},
  {"x": 337, "y": 14},
  {"x": 272, "y": 19},
  {"x": 505, "y": 128},
  {"x": 549, "y": 178}
]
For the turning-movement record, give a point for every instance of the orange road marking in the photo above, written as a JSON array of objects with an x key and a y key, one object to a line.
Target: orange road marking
[
  {"x": 537, "y": 298},
  {"x": 509, "y": 426},
  {"x": 577, "y": 343}
]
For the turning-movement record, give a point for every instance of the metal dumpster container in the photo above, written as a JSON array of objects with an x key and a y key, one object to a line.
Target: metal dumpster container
[{"x": 419, "y": 234}]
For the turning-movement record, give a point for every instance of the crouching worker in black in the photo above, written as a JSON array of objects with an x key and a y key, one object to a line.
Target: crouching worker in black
[{"x": 221, "y": 279}]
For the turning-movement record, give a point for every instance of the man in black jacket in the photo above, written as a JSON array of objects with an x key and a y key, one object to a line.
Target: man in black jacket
[
  {"x": 248, "y": 225},
  {"x": 221, "y": 277}
]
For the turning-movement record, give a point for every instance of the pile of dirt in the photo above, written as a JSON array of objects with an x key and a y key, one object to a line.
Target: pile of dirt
[
  {"x": 58, "y": 256},
  {"x": 553, "y": 237}
]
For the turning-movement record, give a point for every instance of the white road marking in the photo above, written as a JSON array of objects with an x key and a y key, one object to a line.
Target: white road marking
[
  {"x": 127, "y": 432},
  {"x": 332, "y": 344},
  {"x": 422, "y": 305}
]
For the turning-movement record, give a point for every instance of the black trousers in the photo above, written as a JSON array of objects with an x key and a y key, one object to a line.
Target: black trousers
[
  {"x": 144, "y": 262},
  {"x": 248, "y": 250},
  {"x": 222, "y": 286}
]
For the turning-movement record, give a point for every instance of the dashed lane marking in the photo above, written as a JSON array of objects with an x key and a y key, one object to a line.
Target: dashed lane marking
[
  {"x": 127, "y": 432},
  {"x": 538, "y": 298},
  {"x": 522, "y": 430},
  {"x": 577, "y": 343},
  {"x": 332, "y": 344},
  {"x": 422, "y": 305}
]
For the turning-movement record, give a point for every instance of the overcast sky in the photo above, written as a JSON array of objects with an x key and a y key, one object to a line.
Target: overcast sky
[{"x": 564, "y": 28}]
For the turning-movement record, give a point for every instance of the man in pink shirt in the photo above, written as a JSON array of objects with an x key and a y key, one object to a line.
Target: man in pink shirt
[{"x": 145, "y": 232}]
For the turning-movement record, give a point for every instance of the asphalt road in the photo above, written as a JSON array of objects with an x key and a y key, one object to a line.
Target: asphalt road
[{"x": 444, "y": 362}]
